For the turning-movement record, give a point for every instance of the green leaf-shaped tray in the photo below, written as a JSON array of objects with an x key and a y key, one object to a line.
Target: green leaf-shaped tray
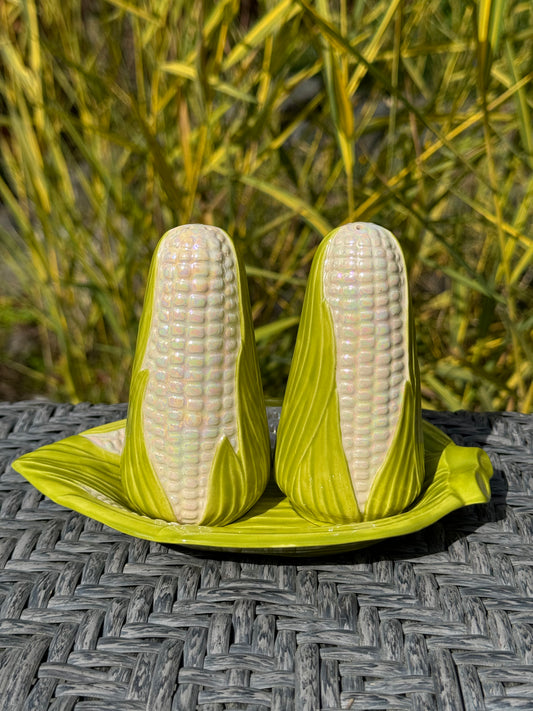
[{"x": 82, "y": 472}]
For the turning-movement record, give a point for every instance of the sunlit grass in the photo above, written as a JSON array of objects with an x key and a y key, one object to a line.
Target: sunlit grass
[{"x": 122, "y": 119}]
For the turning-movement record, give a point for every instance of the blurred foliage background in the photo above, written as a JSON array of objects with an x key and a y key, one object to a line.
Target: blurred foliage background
[{"x": 276, "y": 120}]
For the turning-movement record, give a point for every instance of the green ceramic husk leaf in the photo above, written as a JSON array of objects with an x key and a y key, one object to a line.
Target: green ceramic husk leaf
[
  {"x": 82, "y": 472},
  {"x": 310, "y": 465},
  {"x": 237, "y": 478}
]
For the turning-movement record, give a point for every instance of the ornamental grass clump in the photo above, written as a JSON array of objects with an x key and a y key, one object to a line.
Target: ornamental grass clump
[{"x": 278, "y": 120}]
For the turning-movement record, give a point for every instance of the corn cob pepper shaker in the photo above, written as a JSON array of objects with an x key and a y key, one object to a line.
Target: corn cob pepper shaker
[{"x": 349, "y": 443}]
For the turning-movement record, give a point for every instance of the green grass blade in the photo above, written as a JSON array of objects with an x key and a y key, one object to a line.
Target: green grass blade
[
  {"x": 293, "y": 202},
  {"x": 265, "y": 333}
]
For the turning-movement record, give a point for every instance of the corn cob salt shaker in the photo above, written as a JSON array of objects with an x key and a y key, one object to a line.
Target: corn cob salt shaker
[{"x": 197, "y": 445}]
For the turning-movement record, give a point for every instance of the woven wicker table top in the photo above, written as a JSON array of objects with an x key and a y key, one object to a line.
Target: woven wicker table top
[{"x": 92, "y": 619}]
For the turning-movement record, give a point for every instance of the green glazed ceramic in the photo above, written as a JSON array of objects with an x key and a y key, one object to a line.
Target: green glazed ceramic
[
  {"x": 83, "y": 473},
  {"x": 350, "y": 444}
]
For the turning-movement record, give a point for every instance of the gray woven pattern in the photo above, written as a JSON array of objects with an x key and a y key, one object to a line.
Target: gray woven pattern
[{"x": 92, "y": 619}]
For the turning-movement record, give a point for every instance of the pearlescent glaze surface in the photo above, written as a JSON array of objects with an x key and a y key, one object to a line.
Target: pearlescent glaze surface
[
  {"x": 365, "y": 289},
  {"x": 191, "y": 357}
]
